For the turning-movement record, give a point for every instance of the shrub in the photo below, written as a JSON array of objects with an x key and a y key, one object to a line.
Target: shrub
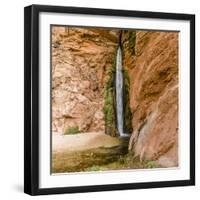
[
  {"x": 151, "y": 164},
  {"x": 71, "y": 130}
]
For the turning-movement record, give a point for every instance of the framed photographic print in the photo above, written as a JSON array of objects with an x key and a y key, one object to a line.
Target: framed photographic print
[{"x": 109, "y": 99}]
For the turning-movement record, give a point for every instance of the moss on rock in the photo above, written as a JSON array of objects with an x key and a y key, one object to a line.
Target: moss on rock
[
  {"x": 109, "y": 101},
  {"x": 127, "y": 111}
]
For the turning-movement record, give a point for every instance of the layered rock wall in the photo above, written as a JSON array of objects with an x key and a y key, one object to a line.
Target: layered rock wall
[
  {"x": 153, "y": 70},
  {"x": 80, "y": 58}
]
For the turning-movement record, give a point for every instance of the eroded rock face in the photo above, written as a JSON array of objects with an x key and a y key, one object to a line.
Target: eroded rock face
[
  {"x": 80, "y": 58},
  {"x": 153, "y": 72}
]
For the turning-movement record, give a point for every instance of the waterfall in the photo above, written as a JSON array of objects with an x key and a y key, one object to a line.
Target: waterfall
[{"x": 119, "y": 94}]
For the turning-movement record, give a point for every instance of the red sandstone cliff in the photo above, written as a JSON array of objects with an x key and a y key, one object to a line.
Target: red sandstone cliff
[
  {"x": 80, "y": 58},
  {"x": 153, "y": 72}
]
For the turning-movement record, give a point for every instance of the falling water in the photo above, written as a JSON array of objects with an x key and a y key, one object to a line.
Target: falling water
[{"x": 119, "y": 94}]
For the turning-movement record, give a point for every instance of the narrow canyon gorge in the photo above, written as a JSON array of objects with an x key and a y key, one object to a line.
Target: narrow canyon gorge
[{"x": 84, "y": 93}]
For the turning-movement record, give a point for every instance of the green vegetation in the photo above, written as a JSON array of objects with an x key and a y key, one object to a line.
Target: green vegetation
[
  {"x": 99, "y": 159},
  {"x": 71, "y": 130},
  {"x": 109, "y": 100},
  {"x": 150, "y": 164},
  {"x": 125, "y": 162},
  {"x": 127, "y": 111},
  {"x": 122, "y": 160},
  {"x": 120, "y": 163},
  {"x": 95, "y": 168},
  {"x": 131, "y": 41}
]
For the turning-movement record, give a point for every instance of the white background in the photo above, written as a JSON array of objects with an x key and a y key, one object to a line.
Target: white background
[{"x": 11, "y": 100}]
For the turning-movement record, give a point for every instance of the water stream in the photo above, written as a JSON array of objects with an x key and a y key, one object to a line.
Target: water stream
[{"x": 119, "y": 94}]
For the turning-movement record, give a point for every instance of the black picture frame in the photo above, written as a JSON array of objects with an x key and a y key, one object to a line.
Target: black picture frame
[{"x": 31, "y": 99}]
